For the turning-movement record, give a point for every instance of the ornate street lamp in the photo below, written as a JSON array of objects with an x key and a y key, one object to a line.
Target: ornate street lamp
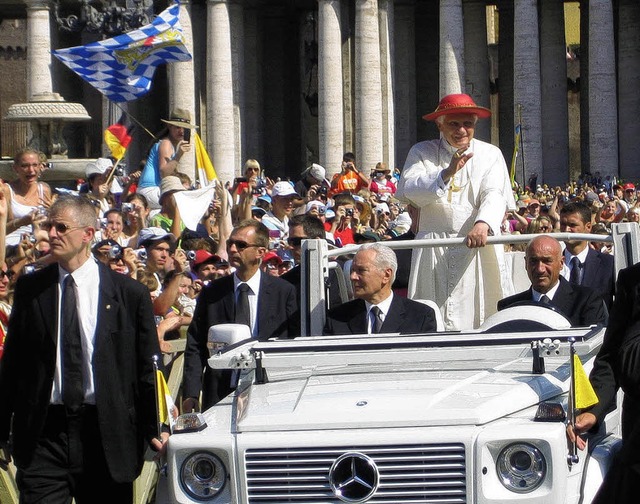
[{"x": 112, "y": 19}]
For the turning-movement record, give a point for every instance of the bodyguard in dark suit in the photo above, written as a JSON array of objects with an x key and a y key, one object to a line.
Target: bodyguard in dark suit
[
  {"x": 271, "y": 308},
  {"x": 618, "y": 365},
  {"x": 584, "y": 265},
  {"x": 544, "y": 260},
  {"x": 376, "y": 309},
  {"x": 77, "y": 376}
]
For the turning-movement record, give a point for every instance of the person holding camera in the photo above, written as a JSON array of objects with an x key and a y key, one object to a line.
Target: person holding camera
[
  {"x": 350, "y": 179},
  {"x": 98, "y": 184},
  {"x": 342, "y": 225},
  {"x": 381, "y": 182},
  {"x": 312, "y": 184},
  {"x": 164, "y": 157}
]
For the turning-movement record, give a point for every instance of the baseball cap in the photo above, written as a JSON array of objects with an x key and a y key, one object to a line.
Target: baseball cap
[
  {"x": 202, "y": 257},
  {"x": 258, "y": 210},
  {"x": 271, "y": 255},
  {"x": 98, "y": 167},
  {"x": 154, "y": 234},
  {"x": 317, "y": 172},
  {"x": 629, "y": 187},
  {"x": 283, "y": 188}
]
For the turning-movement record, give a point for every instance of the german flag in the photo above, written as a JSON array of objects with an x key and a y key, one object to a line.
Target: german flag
[{"x": 118, "y": 137}]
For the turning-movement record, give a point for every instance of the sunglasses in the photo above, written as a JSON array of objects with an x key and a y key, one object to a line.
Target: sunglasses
[
  {"x": 7, "y": 274},
  {"x": 240, "y": 244},
  {"x": 60, "y": 227},
  {"x": 296, "y": 242}
]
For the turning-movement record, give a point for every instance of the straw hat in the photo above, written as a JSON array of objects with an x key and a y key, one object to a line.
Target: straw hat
[{"x": 180, "y": 118}]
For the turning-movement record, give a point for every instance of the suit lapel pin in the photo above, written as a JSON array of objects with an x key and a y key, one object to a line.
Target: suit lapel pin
[{"x": 108, "y": 307}]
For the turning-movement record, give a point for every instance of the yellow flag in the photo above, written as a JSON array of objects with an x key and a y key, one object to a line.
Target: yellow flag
[
  {"x": 585, "y": 395},
  {"x": 206, "y": 171},
  {"x": 165, "y": 401}
]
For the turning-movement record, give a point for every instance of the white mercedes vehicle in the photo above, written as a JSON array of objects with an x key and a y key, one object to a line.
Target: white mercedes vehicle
[{"x": 465, "y": 417}]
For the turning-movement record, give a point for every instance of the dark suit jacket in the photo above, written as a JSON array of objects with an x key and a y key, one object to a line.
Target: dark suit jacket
[
  {"x": 216, "y": 305},
  {"x": 599, "y": 274},
  {"x": 581, "y": 305},
  {"x": 125, "y": 342},
  {"x": 618, "y": 365},
  {"x": 405, "y": 317}
]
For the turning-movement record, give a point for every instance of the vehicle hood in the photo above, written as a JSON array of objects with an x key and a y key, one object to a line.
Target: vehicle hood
[{"x": 457, "y": 393}]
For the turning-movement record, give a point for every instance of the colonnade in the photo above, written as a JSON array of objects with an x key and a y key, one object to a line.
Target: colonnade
[{"x": 369, "y": 80}]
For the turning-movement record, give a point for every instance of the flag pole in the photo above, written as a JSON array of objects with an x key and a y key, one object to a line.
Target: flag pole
[
  {"x": 572, "y": 458},
  {"x": 156, "y": 388},
  {"x": 133, "y": 119}
]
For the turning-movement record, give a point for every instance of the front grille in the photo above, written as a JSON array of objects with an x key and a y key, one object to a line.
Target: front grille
[{"x": 408, "y": 474}]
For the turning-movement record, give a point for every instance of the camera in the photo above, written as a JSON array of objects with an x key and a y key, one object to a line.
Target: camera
[
  {"x": 103, "y": 223},
  {"x": 322, "y": 190},
  {"x": 187, "y": 135},
  {"x": 127, "y": 207},
  {"x": 261, "y": 184},
  {"x": 30, "y": 268},
  {"x": 348, "y": 212},
  {"x": 141, "y": 253},
  {"x": 191, "y": 255},
  {"x": 115, "y": 252},
  {"x": 118, "y": 171},
  {"x": 42, "y": 210}
]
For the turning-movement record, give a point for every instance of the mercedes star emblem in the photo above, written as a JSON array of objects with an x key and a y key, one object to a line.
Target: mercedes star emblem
[{"x": 354, "y": 477}]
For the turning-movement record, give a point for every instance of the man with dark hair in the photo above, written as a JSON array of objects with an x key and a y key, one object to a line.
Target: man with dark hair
[
  {"x": 582, "y": 264},
  {"x": 376, "y": 308},
  {"x": 265, "y": 303},
  {"x": 543, "y": 261},
  {"x": 350, "y": 179},
  {"x": 77, "y": 376}
]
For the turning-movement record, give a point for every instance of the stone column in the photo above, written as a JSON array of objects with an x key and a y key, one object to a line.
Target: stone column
[
  {"x": 330, "y": 107},
  {"x": 628, "y": 96},
  {"x": 526, "y": 86},
  {"x": 452, "y": 71},
  {"x": 254, "y": 119},
  {"x": 236, "y": 12},
  {"x": 387, "y": 63},
  {"x": 220, "y": 120},
  {"x": 505, "y": 76},
  {"x": 476, "y": 57},
  {"x": 39, "y": 53},
  {"x": 603, "y": 106},
  {"x": 405, "y": 79},
  {"x": 368, "y": 86},
  {"x": 553, "y": 79},
  {"x": 182, "y": 86}
]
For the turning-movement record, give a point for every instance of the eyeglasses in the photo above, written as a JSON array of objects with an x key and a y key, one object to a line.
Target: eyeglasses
[
  {"x": 60, "y": 227},
  {"x": 241, "y": 244},
  {"x": 9, "y": 274},
  {"x": 296, "y": 242}
]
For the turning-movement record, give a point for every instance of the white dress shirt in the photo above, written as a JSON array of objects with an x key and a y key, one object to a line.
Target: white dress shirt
[
  {"x": 384, "y": 306},
  {"x": 254, "y": 293},
  {"x": 87, "y": 279}
]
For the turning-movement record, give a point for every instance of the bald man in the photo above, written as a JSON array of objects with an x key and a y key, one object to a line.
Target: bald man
[{"x": 544, "y": 261}]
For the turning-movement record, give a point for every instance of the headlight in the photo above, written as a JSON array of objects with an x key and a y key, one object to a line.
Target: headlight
[
  {"x": 521, "y": 467},
  {"x": 203, "y": 475}
]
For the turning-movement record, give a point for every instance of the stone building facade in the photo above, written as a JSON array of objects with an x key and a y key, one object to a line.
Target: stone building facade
[{"x": 290, "y": 82}]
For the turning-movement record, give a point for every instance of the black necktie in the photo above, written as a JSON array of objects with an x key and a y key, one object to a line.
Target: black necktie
[
  {"x": 72, "y": 387},
  {"x": 377, "y": 320},
  {"x": 243, "y": 312},
  {"x": 544, "y": 299},
  {"x": 574, "y": 277}
]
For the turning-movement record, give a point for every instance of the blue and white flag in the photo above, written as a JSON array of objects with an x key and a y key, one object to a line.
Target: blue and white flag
[{"x": 122, "y": 67}]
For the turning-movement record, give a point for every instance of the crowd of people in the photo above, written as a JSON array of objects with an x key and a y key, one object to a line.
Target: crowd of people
[{"x": 236, "y": 258}]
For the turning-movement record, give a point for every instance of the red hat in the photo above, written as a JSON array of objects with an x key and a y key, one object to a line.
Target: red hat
[
  {"x": 533, "y": 202},
  {"x": 202, "y": 256},
  {"x": 271, "y": 255},
  {"x": 458, "y": 104},
  {"x": 629, "y": 187}
]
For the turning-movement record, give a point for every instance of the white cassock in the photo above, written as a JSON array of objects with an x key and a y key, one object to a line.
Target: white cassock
[{"x": 465, "y": 283}]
